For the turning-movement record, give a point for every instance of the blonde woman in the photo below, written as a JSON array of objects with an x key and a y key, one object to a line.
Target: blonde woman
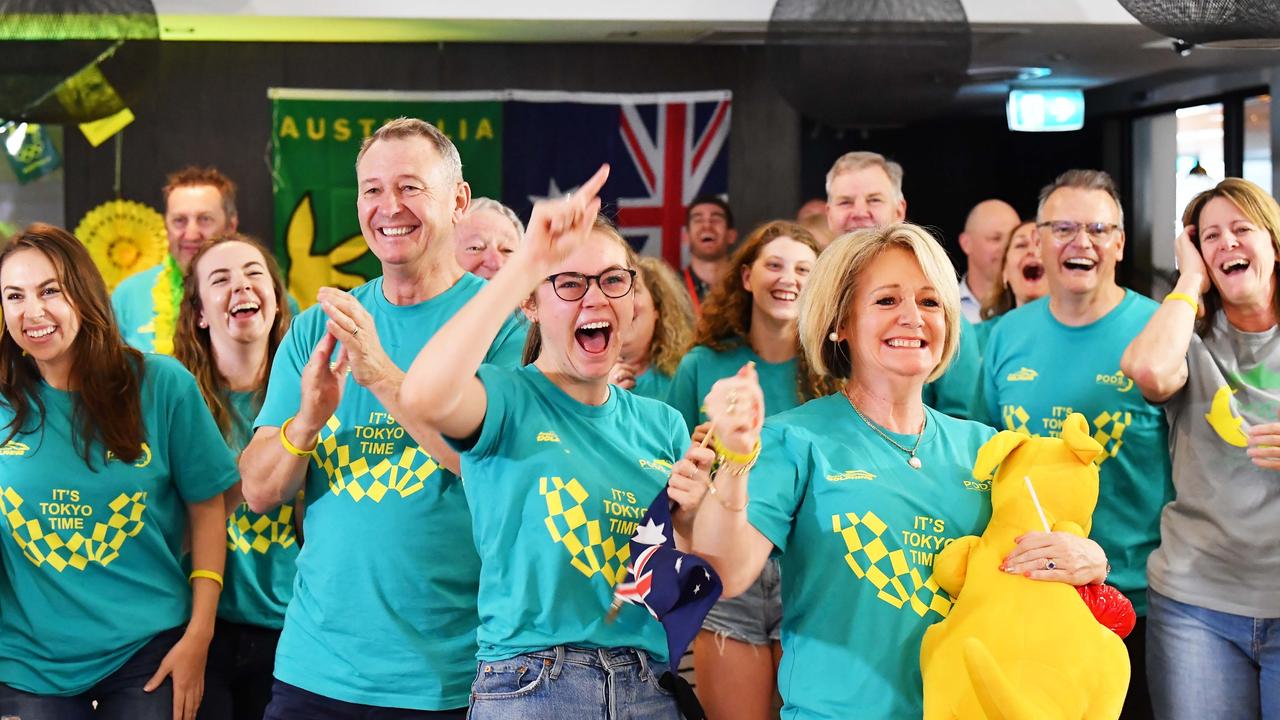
[
  {"x": 867, "y": 469},
  {"x": 661, "y": 331}
]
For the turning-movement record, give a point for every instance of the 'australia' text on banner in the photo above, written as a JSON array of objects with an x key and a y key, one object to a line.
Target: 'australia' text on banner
[{"x": 516, "y": 146}]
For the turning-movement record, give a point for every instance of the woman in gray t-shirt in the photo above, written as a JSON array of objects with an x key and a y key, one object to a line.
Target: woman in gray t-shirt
[{"x": 1211, "y": 354}]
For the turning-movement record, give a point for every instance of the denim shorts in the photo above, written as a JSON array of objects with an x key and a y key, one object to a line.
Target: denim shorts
[
  {"x": 755, "y": 616},
  {"x": 571, "y": 682}
]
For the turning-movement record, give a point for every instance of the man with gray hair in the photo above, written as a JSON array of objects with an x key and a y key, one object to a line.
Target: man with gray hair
[
  {"x": 1061, "y": 354},
  {"x": 864, "y": 190},
  {"x": 486, "y": 237},
  {"x": 384, "y": 614}
]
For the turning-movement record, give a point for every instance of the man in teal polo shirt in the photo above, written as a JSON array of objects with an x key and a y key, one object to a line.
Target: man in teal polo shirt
[
  {"x": 200, "y": 204},
  {"x": 1061, "y": 354}
]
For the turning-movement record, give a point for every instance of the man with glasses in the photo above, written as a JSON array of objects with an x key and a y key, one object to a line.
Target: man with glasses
[
  {"x": 384, "y": 614},
  {"x": 1061, "y": 354}
]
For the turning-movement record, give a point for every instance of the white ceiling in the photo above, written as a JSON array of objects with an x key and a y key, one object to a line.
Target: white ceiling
[
  {"x": 710, "y": 12},
  {"x": 1086, "y": 43}
]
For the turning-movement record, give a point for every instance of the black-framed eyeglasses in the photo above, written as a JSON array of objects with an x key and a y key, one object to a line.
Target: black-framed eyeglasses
[
  {"x": 572, "y": 286},
  {"x": 1064, "y": 231}
]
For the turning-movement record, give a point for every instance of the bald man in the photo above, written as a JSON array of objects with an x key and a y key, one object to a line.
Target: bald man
[{"x": 986, "y": 231}]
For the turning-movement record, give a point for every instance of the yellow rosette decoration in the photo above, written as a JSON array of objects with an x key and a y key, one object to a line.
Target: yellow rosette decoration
[{"x": 123, "y": 237}]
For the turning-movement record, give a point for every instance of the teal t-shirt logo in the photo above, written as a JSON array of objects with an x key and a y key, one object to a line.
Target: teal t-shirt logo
[
  {"x": 875, "y": 555},
  {"x": 1118, "y": 380},
  {"x": 14, "y": 448},
  {"x": 381, "y": 435},
  {"x": 67, "y": 538},
  {"x": 143, "y": 461},
  {"x": 592, "y": 551},
  {"x": 1109, "y": 425},
  {"x": 249, "y": 532}
]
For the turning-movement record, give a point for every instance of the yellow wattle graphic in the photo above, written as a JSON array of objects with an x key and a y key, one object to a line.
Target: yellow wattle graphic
[
  {"x": 309, "y": 272},
  {"x": 1223, "y": 421}
]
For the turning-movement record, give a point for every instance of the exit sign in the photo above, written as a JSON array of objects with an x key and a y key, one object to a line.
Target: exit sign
[{"x": 1045, "y": 110}]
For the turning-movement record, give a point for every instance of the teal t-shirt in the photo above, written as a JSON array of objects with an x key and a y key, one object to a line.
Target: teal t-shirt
[
  {"x": 702, "y": 367},
  {"x": 91, "y": 557},
  {"x": 262, "y": 549},
  {"x": 384, "y": 605},
  {"x": 983, "y": 334},
  {"x": 135, "y": 309},
  {"x": 857, "y": 530},
  {"x": 134, "y": 305},
  {"x": 652, "y": 383},
  {"x": 556, "y": 489},
  {"x": 958, "y": 392},
  {"x": 1038, "y": 371}
]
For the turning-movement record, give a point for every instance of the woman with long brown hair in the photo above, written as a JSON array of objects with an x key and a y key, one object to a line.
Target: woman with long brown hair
[
  {"x": 661, "y": 331},
  {"x": 233, "y": 316},
  {"x": 108, "y": 460},
  {"x": 750, "y": 317}
]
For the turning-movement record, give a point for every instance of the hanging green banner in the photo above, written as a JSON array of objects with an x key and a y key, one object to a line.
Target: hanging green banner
[
  {"x": 29, "y": 150},
  {"x": 315, "y": 138}
]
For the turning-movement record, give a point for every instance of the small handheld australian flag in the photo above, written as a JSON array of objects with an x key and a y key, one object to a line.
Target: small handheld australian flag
[{"x": 675, "y": 587}]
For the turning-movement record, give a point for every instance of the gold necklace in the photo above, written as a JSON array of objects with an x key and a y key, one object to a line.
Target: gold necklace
[{"x": 912, "y": 460}]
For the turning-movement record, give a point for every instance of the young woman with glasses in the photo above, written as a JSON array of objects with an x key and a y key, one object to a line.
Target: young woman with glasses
[{"x": 558, "y": 467}]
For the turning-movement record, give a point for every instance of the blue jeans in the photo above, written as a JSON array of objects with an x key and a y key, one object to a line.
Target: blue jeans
[
  {"x": 237, "y": 677},
  {"x": 568, "y": 682},
  {"x": 1205, "y": 664},
  {"x": 119, "y": 695},
  {"x": 289, "y": 702}
]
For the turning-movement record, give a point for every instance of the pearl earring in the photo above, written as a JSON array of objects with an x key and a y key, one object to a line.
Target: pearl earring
[{"x": 833, "y": 337}]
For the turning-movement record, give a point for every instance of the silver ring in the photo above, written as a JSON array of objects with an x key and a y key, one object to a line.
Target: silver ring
[
  {"x": 1050, "y": 565},
  {"x": 356, "y": 331}
]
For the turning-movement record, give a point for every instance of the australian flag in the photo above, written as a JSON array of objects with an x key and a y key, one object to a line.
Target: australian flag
[
  {"x": 663, "y": 151},
  {"x": 675, "y": 587}
]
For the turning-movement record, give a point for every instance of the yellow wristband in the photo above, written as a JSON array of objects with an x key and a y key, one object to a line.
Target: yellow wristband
[
  {"x": 290, "y": 447},
  {"x": 1195, "y": 306},
  {"x": 744, "y": 461},
  {"x": 207, "y": 575}
]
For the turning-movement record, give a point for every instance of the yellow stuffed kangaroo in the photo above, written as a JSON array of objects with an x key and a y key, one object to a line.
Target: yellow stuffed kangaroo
[{"x": 1013, "y": 647}]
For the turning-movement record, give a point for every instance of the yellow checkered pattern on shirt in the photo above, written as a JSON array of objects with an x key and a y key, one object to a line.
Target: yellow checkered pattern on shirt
[
  {"x": 1110, "y": 429},
  {"x": 871, "y": 559},
  {"x": 250, "y": 532},
  {"x": 567, "y": 522},
  {"x": 1015, "y": 418},
  {"x": 102, "y": 545},
  {"x": 405, "y": 476}
]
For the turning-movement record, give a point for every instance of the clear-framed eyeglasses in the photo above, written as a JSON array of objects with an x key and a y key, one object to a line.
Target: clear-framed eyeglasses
[{"x": 1064, "y": 231}]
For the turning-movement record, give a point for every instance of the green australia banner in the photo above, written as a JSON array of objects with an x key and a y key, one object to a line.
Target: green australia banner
[
  {"x": 315, "y": 137},
  {"x": 517, "y": 146}
]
